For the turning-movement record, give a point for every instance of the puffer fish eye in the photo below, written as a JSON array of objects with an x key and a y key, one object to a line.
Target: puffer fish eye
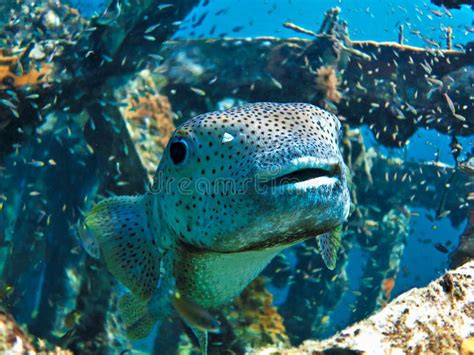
[{"x": 178, "y": 150}]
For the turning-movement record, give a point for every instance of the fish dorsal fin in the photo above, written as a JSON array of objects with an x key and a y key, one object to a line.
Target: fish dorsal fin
[
  {"x": 329, "y": 244},
  {"x": 124, "y": 234}
]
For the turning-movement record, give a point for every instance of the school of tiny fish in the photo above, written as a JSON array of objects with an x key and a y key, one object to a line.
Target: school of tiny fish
[{"x": 160, "y": 163}]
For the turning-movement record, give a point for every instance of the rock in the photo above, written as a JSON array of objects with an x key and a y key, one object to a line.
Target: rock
[
  {"x": 14, "y": 340},
  {"x": 467, "y": 346},
  {"x": 436, "y": 319}
]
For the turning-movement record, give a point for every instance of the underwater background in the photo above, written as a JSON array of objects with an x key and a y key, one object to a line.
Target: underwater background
[{"x": 86, "y": 110}]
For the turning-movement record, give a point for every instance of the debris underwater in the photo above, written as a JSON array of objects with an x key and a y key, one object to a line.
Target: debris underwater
[{"x": 173, "y": 182}]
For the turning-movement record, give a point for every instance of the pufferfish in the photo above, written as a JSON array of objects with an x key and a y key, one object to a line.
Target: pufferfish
[{"x": 233, "y": 189}]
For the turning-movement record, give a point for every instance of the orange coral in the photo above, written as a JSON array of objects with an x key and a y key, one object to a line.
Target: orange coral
[
  {"x": 150, "y": 123},
  {"x": 157, "y": 108},
  {"x": 8, "y": 64},
  {"x": 255, "y": 320},
  {"x": 327, "y": 83}
]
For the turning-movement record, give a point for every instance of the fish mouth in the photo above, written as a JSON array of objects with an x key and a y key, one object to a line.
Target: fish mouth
[{"x": 303, "y": 173}]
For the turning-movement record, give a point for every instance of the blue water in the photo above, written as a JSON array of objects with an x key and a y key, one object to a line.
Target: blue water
[
  {"x": 424, "y": 145},
  {"x": 367, "y": 20},
  {"x": 423, "y": 260},
  {"x": 370, "y": 19}
]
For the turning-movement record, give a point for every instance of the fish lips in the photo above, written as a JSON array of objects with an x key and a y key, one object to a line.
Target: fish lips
[
  {"x": 295, "y": 205},
  {"x": 310, "y": 213},
  {"x": 309, "y": 197},
  {"x": 301, "y": 176}
]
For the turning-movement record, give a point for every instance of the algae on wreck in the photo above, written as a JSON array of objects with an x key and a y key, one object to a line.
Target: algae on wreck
[{"x": 91, "y": 91}]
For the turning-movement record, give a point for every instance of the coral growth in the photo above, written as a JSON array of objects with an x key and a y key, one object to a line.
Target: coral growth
[
  {"x": 150, "y": 121},
  {"x": 255, "y": 320},
  {"x": 437, "y": 319},
  {"x": 13, "y": 340},
  {"x": 158, "y": 108},
  {"x": 9, "y": 76},
  {"x": 35, "y": 33},
  {"x": 467, "y": 346},
  {"x": 327, "y": 84},
  {"x": 48, "y": 26}
]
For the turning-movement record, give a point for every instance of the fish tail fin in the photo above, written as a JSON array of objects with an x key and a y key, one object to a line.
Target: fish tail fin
[
  {"x": 130, "y": 247},
  {"x": 136, "y": 316}
]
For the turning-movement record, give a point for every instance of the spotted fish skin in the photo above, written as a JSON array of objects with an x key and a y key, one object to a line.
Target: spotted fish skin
[
  {"x": 233, "y": 189},
  {"x": 237, "y": 212}
]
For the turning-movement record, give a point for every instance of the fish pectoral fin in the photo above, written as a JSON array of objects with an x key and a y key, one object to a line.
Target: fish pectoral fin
[
  {"x": 329, "y": 244},
  {"x": 121, "y": 227},
  {"x": 136, "y": 316}
]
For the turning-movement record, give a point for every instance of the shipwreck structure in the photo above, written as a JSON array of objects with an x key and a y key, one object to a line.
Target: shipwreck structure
[{"x": 91, "y": 104}]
